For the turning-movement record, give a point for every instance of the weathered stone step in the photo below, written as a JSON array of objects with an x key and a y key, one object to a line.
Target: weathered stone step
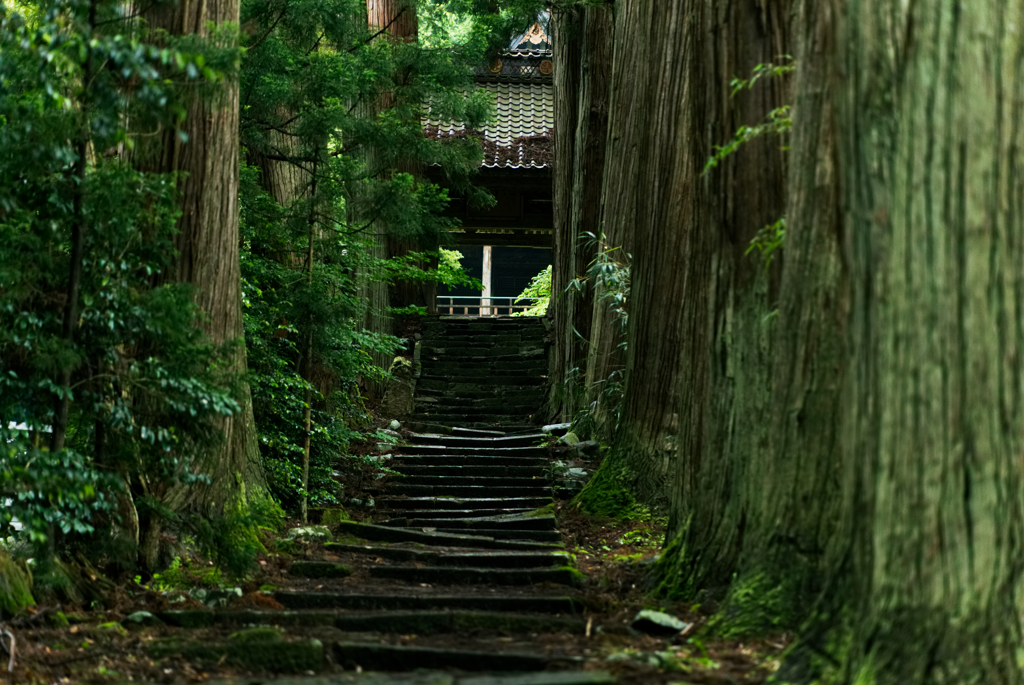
[
  {"x": 437, "y": 622},
  {"x": 456, "y": 513},
  {"x": 445, "y": 368},
  {"x": 511, "y": 534},
  {"x": 433, "y": 678},
  {"x": 401, "y": 461},
  {"x": 458, "y": 405},
  {"x": 277, "y": 656},
  {"x": 462, "y": 419},
  {"x": 494, "y": 384},
  {"x": 493, "y": 471},
  {"x": 468, "y": 490},
  {"x": 505, "y": 521},
  {"x": 495, "y": 559},
  {"x": 465, "y": 502},
  {"x": 459, "y": 538},
  {"x": 488, "y": 481},
  {"x": 456, "y": 450},
  {"x": 460, "y": 575},
  {"x": 531, "y": 604},
  {"x": 456, "y": 441},
  {"x": 485, "y": 337},
  {"x": 378, "y": 657},
  {"x": 459, "y": 431}
]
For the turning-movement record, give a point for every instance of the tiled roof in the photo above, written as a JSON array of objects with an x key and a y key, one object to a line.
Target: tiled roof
[
  {"x": 518, "y": 65},
  {"x": 520, "y": 136}
]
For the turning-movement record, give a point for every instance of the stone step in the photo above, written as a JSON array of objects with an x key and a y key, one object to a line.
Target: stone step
[
  {"x": 502, "y": 534},
  {"x": 478, "y": 503},
  {"x": 455, "y": 513},
  {"x": 456, "y": 405},
  {"x": 469, "y": 490},
  {"x": 401, "y": 460},
  {"x": 459, "y": 538},
  {"x": 438, "y": 622},
  {"x": 459, "y": 450},
  {"x": 505, "y": 353},
  {"x": 459, "y": 575},
  {"x": 470, "y": 441},
  {"x": 443, "y": 367},
  {"x": 393, "y": 601},
  {"x": 504, "y": 521},
  {"x": 492, "y": 337},
  {"x": 449, "y": 557},
  {"x": 487, "y": 481},
  {"x": 490, "y": 471},
  {"x": 496, "y": 385},
  {"x": 435, "y": 427},
  {"x": 459, "y": 418},
  {"x": 382, "y": 657}
]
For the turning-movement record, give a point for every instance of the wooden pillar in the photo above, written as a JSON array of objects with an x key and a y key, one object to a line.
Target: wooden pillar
[{"x": 486, "y": 279}]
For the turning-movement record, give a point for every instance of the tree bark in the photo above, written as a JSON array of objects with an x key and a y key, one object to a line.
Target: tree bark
[
  {"x": 605, "y": 355},
  {"x": 726, "y": 347},
  {"x": 929, "y": 122},
  {"x": 567, "y": 29},
  {"x": 208, "y": 253}
]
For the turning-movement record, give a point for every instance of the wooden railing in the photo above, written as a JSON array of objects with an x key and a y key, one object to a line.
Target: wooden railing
[{"x": 472, "y": 305}]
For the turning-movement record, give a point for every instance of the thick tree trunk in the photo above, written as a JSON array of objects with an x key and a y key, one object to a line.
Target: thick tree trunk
[
  {"x": 929, "y": 122},
  {"x": 208, "y": 252},
  {"x": 725, "y": 347},
  {"x": 652, "y": 168}
]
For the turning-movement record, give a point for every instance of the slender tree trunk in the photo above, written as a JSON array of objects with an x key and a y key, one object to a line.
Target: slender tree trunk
[
  {"x": 929, "y": 123},
  {"x": 567, "y": 41},
  {"x": 726, "y": 346},
  {"x": 208, "y": 252},
  {"x": 606, "y": 356}
]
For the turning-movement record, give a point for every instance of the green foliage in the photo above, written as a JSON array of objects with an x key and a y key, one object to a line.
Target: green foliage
[
  {"x": 15, "y": 586},
  {"x": 765, "y": 70},
  {"x": 768, "y": 240},
  {"x": 538, "y": 292},
  {"x": 606, "y": 495},
  {"x": 140, "y": 381},
  {"x": 778, "y": 122},
  {"x": 183, "y": 575}
]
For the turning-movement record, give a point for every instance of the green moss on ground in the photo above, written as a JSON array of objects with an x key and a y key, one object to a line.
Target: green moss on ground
[
  {"x": 546, "y": 510},
  {"x": 334, "y": 516},
  {"x": 577, "y": 576},
  {"x": 605, "y": 494},
  {"x": 758, "y": 605}
]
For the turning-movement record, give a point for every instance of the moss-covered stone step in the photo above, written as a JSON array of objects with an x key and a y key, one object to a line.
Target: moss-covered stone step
[
  {"x": 480, "y": 406},
  {"x": 405, "y": 658},
  {"x": 461, "y": 575},
  {"x": 466, "y": 502},
  {"x": 501, "y": 521},
  {"x": 256, "y": 649},
  {"x": 495, "y": 471},
  {"x": 491, "y": 559},
  {"x": 207, "y": 618},
  {"x": 473, "y": 441},
  {"x": 393, "y": 601},
  {"x": 507, "y": 352},
  {"x": 400, "y": 488},
  {"x": 458, "y": 539}
]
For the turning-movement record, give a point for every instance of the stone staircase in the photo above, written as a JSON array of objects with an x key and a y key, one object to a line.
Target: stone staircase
[
  {"x": 464, "y": 574},
  {"x": 480, "y": 373}
]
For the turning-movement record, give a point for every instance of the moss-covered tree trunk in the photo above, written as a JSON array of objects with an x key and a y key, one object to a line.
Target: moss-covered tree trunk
[
  {"x": 726, "y": 348},
  {"x": 208, "y": 252},
  {"x": 929, "y": 123}
]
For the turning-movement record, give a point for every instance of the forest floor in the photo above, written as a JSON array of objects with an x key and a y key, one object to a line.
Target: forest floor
[{"x": 76, "y": 644}]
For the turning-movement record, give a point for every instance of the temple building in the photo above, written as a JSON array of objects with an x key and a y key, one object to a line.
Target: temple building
[{"x": 507, "y": 245}]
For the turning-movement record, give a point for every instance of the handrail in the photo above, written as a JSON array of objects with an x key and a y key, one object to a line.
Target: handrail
[{"x": 482, "y": 306}]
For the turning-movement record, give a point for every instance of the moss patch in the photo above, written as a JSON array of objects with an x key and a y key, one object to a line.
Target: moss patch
[
  {"x": 333, "y": 516},
  {"x": 540, "y": 512},
  {"x": 758, "y": 605},
  {"x": 606, "y": 495}
]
